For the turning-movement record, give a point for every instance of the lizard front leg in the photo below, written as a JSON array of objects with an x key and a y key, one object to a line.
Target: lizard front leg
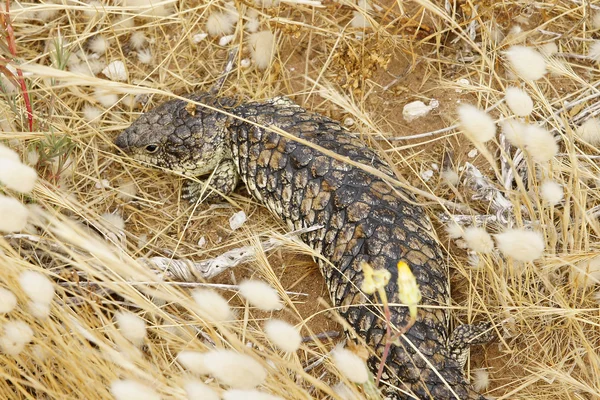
[{"x": 221, "y": 183}]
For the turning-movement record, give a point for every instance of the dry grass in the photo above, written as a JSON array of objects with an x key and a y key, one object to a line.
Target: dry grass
[{"x": 547, "y": 312}]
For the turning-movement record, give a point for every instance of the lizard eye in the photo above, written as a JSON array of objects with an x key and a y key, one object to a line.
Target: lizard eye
[{"x": 152, "y": 148}]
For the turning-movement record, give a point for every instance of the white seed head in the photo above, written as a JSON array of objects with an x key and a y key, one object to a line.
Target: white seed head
[
  {"x": 481, "y": 379},
  {"x": 196, "y": 390},
  {"x": 594, "y": 51},
  {"x": 236, "y": 394},
  {"x": 46, "y": 15},
  {"x": 127, "y": 389},
  {"x": 37, "y": 286},
  {"x": 131, "y": 326},
  {"x": 549, "y": 49},
  {"x": 114, "y": 221},
  {"x": 351, "y": 365},
  {"x": 539, "y": 143},
  {"x": 17, "y": 176},
  {"x": 476, "y": 124},
  {"x": 92, "y": 114},
  {"x": 127, "y": 191},
  {"x": 451, "y": 177},
  {"x": 236, "y": 370},
  {"x": 526, "y": 62},
  {"x": 213, "y": 305},
  {"x": 454, "y": 230},
  {"x": 14, "y": 215},
  {"x": 40, "y": 311},
  {"x": 145, "y": 56},
  {"x": 344, "y": 392},
  {"x": 260, "y": 295},
  {"x": 518, "y": 101},
  {"x": 596, "y": 20},
  {"x": 98, "y": 45},
  {"x": 106, "y": 97},
  {"x": 552, "y": 192},
  {"x": 586, "y": 273},
  {"x": 283, "y": 335},
  {"x": 8, "y": 153},
  {"x": 520, "y": 244},
  {"x": 193, "y": 361},
  {"x": 8, "y": 301},
  {"x": 590, "y": 131},
  {"x": 478, "y": 240},
  {"x": 15, "y": 336},
  {"x": 219, "y": 24},
  {"x": 514, "y": 131},
  {"x": 148, "y": 8},
  {"x": 137, "y": 40},
  {"x": 262, "y": 47}
]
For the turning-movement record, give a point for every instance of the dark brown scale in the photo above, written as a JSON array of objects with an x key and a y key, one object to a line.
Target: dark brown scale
[{"x": 364, "y": 219}]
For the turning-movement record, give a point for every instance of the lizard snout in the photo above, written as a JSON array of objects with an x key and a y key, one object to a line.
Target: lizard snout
[{"x": 122, "y": 142}]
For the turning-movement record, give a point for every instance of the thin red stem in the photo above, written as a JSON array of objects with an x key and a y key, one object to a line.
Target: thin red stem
[{"x": 12, "y": 47}]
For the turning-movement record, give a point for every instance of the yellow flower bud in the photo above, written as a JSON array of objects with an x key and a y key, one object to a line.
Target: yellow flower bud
[
  {"x": 374, "y": 279},
  {"x": 408, "y": 290}
]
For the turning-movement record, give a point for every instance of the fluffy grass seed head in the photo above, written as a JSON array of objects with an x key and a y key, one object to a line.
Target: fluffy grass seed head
[
  {"x": 145, "y": 56},
  {"x": 539, "y": 143},
  {"x": 233, "y": 369},
  {"x": 594, "y": 51},
  {"x": 529, "y": 64},
  {"x": 8, "y": 153},
  {"x": 127, "y": 191},
  {"x": 283, "y": 335},
  {"x": 521, "y": 244},
  {"x": 37, "y": 286},
  {"x": 481, "y": 379},
  {"x": 116, "y": 71},
  {"x": 127, "y": 389},
  {"x": 262, "y": 48},
  {"x": 476, "y": 124},
  {"x": 137, "y": 40},
  {"x": 518, "y": 101},
  {"x": 451, "y": 177},
  {"x": 260, "y": 295},
  {"x": 193, "y": 361},
  {"x": 590, "y": 131},
  {"x": 213, "y": 305},
  {"x": 219, "y": 24},
  {"x": 91, "y": 114},
  {"x": 551, "y": 192},
  {"x": 236, "y": 394},
  {"x": 514, "y": 131},
  {"x": 454, "y": 230},
  {"x": 8, "y": 301},
  {"x": 38, "y": 310},
  {"x": 586, "y": 273},
  {"x": 98, "y": 44},
  {"x": 351, "y": 365},
  {"x": 15, "y": 336},
  {"x": 17, "y": 176},
  {"x": 196, "y": 390},
  {"x": 478, "y": 240},
  {"x": 549, "y": 49},
  {"x": 105, "y": 97},
  {"x": 14, "y": 215},
  {"x": 596, "y": 20},
  {"x": 131, "y": 326}
]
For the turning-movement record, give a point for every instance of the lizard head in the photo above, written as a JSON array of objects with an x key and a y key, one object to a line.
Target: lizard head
[{"x": 180, "y": 135}]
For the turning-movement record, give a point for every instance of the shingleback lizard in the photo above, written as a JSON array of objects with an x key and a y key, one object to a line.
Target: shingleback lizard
[{"x": 364, "y": 219}]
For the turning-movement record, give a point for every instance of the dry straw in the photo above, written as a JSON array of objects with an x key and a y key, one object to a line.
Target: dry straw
[{"x": 538, "y": 282}]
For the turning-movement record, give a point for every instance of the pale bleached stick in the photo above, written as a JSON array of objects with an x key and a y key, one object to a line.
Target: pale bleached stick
[{"x": 189, "y": 271}]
